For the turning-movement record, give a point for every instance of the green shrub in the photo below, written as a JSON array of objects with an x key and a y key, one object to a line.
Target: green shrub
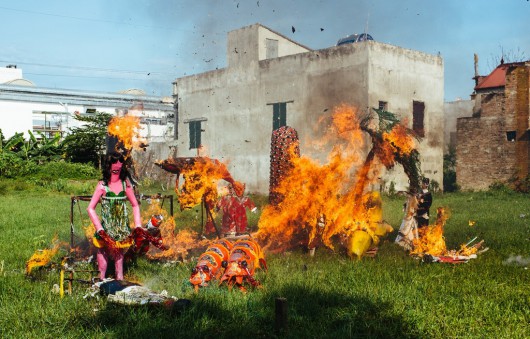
[
  {"x": 67, "y": 170},
  {"x": 12, "y": 166},
  {"x": 449, "y": 171},
  {"x": 499, "y": 186},
  {"x": 434, "y": 186},
  {"x": 20, "y": 185}
]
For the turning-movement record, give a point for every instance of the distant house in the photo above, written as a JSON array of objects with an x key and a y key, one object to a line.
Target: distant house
[
  {"x": 493, "y": 144},
  {"x": 272, "y": 81},
  {"x": 25, "y": 107}
]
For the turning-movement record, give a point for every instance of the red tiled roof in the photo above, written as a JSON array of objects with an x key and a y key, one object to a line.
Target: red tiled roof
[{"x": 497, "y": 78}]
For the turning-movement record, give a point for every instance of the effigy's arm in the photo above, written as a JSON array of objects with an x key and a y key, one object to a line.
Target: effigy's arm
[{"x": 91, "y": 209}]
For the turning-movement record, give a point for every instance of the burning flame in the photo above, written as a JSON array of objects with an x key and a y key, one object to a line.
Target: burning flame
[
  {"x": 335, "y": 191},
  {"x": 43, "y": 257},
  {"x": 400, "y": 139},
  {"x": 179, "y": 244},
  {"x": 126, "y": 129},
  {"x": 200, "y": 182},
  {"x": 431, "y": 240}
]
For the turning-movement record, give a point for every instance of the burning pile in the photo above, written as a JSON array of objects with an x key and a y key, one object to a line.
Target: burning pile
[
  {"x": 324, "y": 201},
  {"x": 431, "y": 240},
  {"x": 431, "y": 243}
]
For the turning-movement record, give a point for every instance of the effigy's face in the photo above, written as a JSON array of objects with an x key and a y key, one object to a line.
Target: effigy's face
[{"x": 115, "y": 168}]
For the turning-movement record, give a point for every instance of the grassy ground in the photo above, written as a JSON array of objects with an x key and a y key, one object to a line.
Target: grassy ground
[{"x": 328, "y": 296}]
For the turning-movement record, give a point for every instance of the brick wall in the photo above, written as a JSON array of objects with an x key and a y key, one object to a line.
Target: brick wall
[{"x": 484, "y": 153}]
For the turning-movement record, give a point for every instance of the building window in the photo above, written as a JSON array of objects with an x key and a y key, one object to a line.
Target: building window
[
  {"x": 279, "y": 115},
  {"x": 195, "y": 134},
  {"x": 511, "y": 135},
  {"x": 383, "y": 105},
  {"x": 418, "y": 114},
  {"x": 271, "y": 47},
  {"x": 49, "y": 123}
]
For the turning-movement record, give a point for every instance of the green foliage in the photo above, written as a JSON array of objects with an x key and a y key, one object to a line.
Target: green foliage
[
  {"x": 499, "y": 186},
  {"x": 44, "y": 149},
  {"x": 67, "y": 170},
  {"x": 12, "y": 144},
  {"x": 86, "y": 144},
  {"x": 387, "y": 120},
  {"x": 19, "y": 157},
  {"x": 434, "y": 186},
  {"x": 521, "y": 185},
  {"x": 392, "y": 189},
  {"x": 449, "y": 171},
  {"x": 13, "y": 166}
]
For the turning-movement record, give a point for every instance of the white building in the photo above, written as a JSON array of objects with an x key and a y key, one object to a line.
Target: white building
[
  {"x": 272, "y": 81},
  {"x": 25, "y": 107}
]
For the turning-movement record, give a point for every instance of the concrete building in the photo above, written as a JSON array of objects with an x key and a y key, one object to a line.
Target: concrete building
[
  {"x": 493, "y": 144},
  {"x": 452, "y": 111},
  {"x": 25, "y": 107},
  {"x": 271, "y": 81}
]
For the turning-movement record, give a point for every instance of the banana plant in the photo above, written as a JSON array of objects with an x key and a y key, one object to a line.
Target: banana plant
[
  {"x": 43, "y": 149},
  {"x": 12, "y": 144}
]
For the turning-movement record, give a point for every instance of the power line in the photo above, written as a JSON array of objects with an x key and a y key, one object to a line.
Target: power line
[
  {"x": 92, "y": 77},
  {"x": 81, "y": 67}
]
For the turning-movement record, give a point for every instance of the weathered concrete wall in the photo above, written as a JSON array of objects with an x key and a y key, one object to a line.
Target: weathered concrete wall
[
  {"x": 285, "y": 45},
  {"x": 452, "y": 111},
  {"x": 248, "y": 44},
  {"x": 400, "y": 76},
  {"x": 235, "y": 104}
]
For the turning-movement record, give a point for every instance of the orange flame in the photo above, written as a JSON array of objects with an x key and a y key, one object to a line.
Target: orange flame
[
  {"x": 179, "y": 244},
  {"x": 431, "y": 240},
  {"x": 335, "y": 191},
  {"x": 400, "y": 139},
  {"x": 126, "y": 129},
  {"x": 43, "y": 257},
  {"x": 200, "y": 181}
]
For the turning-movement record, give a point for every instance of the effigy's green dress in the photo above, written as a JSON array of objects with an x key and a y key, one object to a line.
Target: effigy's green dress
[{"x": 114, "y": 218}]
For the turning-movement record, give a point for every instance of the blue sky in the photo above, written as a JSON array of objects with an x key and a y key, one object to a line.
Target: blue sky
[{"x": 115, "y": 45}]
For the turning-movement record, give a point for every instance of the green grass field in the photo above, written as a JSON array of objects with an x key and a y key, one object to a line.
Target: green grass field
[{"x": 328, "y": 295}]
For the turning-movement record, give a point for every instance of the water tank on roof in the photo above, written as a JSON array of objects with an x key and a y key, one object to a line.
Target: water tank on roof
[{"x": 354, "y": 38}]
